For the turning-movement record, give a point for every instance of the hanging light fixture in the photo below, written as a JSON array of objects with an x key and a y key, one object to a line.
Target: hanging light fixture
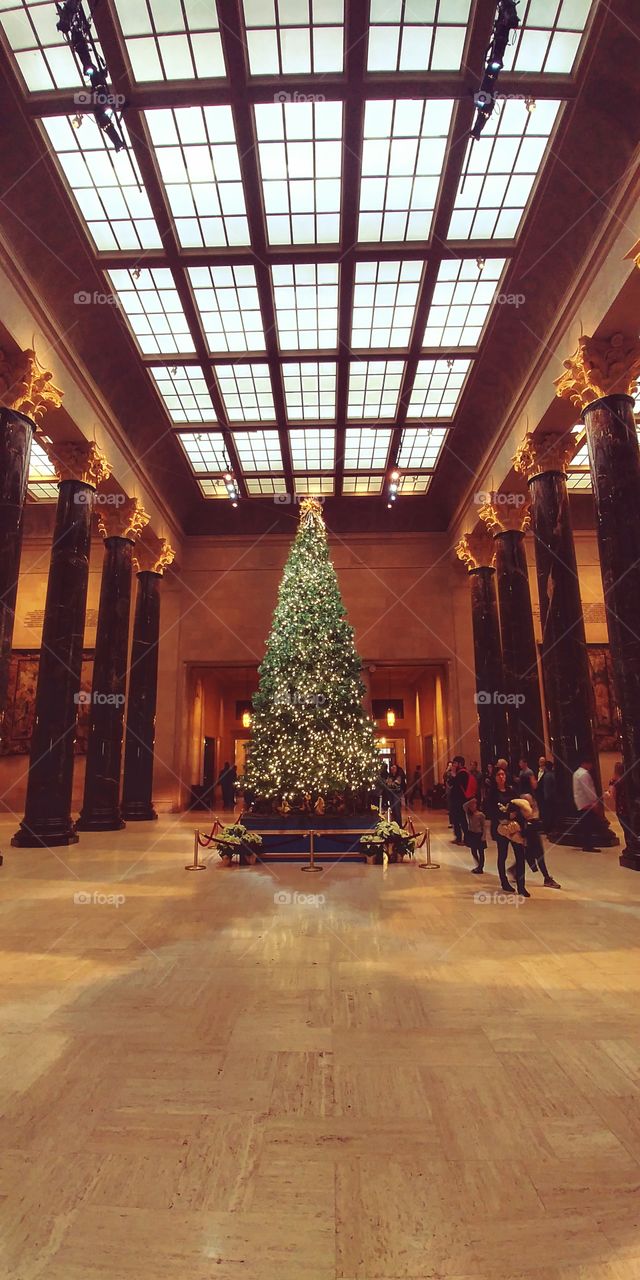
[
  {"x": 391, "y": 717},
  {"x": 246, "y": 719}
]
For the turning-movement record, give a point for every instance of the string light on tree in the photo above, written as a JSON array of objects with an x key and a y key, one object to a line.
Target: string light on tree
[{"x": 310, "y": 734}]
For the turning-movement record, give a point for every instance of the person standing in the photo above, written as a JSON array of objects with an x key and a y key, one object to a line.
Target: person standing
[
  {"x": 586, "y": 801},
  {"x": 227, "y": 781},
  {"x": 448, "y": 776},
  {"x": 546, "y": 796},
  {"x": 512, "y": 831},
  {"x": 527, "y": 782},
  {"x": 395, "y": 789},
  {"x": 461, "y": 791},
  {"x": 499, "y": 804},
  {"x": 534, "y": 848},
  {"x": 476, "y": 833}
]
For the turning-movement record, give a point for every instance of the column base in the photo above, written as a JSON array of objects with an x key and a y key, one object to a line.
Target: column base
[
  {"x": 137, "y": 811},
  {"x": 630, "y": 858},
  {"x": 568, "y": 832},
  {"x": 112, "y": 821},
  {"x": 44, "y": 834}
]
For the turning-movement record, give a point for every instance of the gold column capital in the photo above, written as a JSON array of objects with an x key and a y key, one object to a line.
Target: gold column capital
[
  {"x": 79, "y": 460},
  {"x": 476, "y": 550},
  {"x": 551, "y": 451},
  {"x": 25, "y": 386},
  {"x": 503, "y": 517},
  {"x": 153, "y": 554},
  {"x": 121, "y": 518},
  {"x": 600, "y": 367}
]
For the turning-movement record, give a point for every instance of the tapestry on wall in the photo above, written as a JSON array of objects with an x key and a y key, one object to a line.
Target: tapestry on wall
[
  {"x": 607, "y": 712},
  {"x": 23, "y": 681}
]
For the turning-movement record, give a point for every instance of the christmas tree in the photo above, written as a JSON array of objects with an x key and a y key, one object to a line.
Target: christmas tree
[{"x": 311, "y": 739}]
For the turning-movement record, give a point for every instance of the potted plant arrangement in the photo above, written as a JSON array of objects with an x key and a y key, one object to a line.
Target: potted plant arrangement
[
  {"x": 389, "y": 836},
  {"x": 237, "y": 839}
]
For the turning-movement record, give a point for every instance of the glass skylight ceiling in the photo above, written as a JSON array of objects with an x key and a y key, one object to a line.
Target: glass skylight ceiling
[
  {"x": 310, "y": 390},
  {"x": 227, "y": 299},
  {"x": 172, "y": 39},
  {"x": 384, "y": 303},
  {"x": 336, "y": 333},
  {"x": 500, "y": 171},
  {"x": 437, "y": 387},
  {"x": 154, "y": 313},
  {"x": 306, "y": 302},
  {"x": 185, "y": 393},
  {"x": 300, "y": 150},
  {"x": 294, "y": 37},
  {"x": 246, "y": 391},
  {"x": 420, "y": 447},
  {"x": 549, "y": 36},
  {"x": 205, "y": 450},
  {"x": 106, "y": 186},
  {"x": 43, "y": 483},
  {"x": 43, "y": 57},
  {"x": 417, "y": 35},
  {"x": 462, "y": 300},
  {"x": 402, "y": 158},
  {"x": 200, "y": 167},
  {"x": 374, "y": 387}
]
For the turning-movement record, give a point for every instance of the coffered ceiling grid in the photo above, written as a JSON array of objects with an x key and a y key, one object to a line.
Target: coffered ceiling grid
[{"x": 213, "y": 289}]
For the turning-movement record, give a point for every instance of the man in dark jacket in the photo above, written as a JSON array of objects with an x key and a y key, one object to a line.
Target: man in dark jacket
[{"x": 460, "y": 793}]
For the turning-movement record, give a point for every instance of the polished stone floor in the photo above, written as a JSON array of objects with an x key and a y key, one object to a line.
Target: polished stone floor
[{"x": 204, "y": 1075}]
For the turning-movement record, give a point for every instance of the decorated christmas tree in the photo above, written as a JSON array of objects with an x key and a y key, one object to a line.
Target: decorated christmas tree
[{"x": 311, "y": 739}]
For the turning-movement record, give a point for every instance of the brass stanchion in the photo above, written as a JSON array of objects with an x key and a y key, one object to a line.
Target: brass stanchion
[
  {"x": 428, "y": 865},
  {"x": 195, "y": 865},
  {"x": 311, "y": 865}
]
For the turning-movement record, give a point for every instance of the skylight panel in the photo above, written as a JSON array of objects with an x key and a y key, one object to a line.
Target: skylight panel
[
  {"x": 549, "y": 36},
  {"x": 294, "y": 37},
  {"x": 313, "y": 450},
  {"x": 185, "y": 393},
  {"x": 314, "y": 486},
  {"x": 266, "y": 486},
  {"x": 152, "y": 307},
  {"x": 172, "y": 39},
  {"x": 409, "y": 484},
  {"x": 306, "y": 303},
  {"x": 374, "y": 387},
  {"x": 437, "y": 387},
  {"x": 246, "y": 391},
  {"x": 43, "y": 482},
  {"x": 44, "y": 490},
  {"x": 402, "y": 159},
  {"x": 105, "y": 184},
  {"x": 462, "y": 299},
  {"x": 310, "y": 389},
  {"x": 366, "y": 448},
  {"x": 198, "y": 159},
  {"x": 420, "y": 447},
  {"x": 578, "y": 479},
  {"x": 300, "y": 152},
  {"x": 581, "y": 456},
  {"x": 44, "y": 58},
  {"x": 213, "y": 487},
  {"x": 258, "y": 450},
  {"x": 205, "y": 450},
  {"x": 363, "y": 485},
  {"x": 417, "y": 35},
  {"x": 384, "y": 303},
  {"x": 227, "y": 299},
  {"x": 500, "y": 171}
]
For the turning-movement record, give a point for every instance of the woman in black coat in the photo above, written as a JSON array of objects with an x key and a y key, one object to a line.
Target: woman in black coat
[{"x": 500, "y": 799}]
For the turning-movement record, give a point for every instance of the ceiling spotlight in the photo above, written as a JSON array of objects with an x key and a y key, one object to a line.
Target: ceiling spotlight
[
  {"x": 173, "y": 370},
  {"x": 506, "y": 21},
  {"x": 136, "y": 273},
  {"x": 530, "y": 104},
  {"x": 449, "y": 362},
  {"x": 77, "y": 121},
  {"x": 395, "y": 475},
  {"x": 481, "y": 263},
  {"x": 75, "y": 27}
]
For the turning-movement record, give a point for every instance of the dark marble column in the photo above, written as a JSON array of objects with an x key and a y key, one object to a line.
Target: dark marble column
[
  {"x": 565, "y": 664},
  {"x": 137, "y": 802},
  {"x": 487, "y": 648},
  {"x": 101, "y": 805},
  {"x": 16, "y": 432},
  {"x": 47, "y": 821},
  {"x": 522, "y": 687},
  {"x": 476, "y": 551},
  {"x": 601, "y": 377}
]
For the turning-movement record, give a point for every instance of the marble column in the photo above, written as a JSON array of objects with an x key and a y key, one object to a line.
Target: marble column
[
  {"x": 16, "y": 432},
  {"x": 507, "y": 523},
  {"x": 601, "y": 378},
  {"x": 477, "y": 552},
  {"x": 565, "y": 664},
  {"x": 47, "y": 822},
  {"x": 152, "y": 555},
  {"x": 26, "y": 392},
  {"x": 120, "y": 521}
]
